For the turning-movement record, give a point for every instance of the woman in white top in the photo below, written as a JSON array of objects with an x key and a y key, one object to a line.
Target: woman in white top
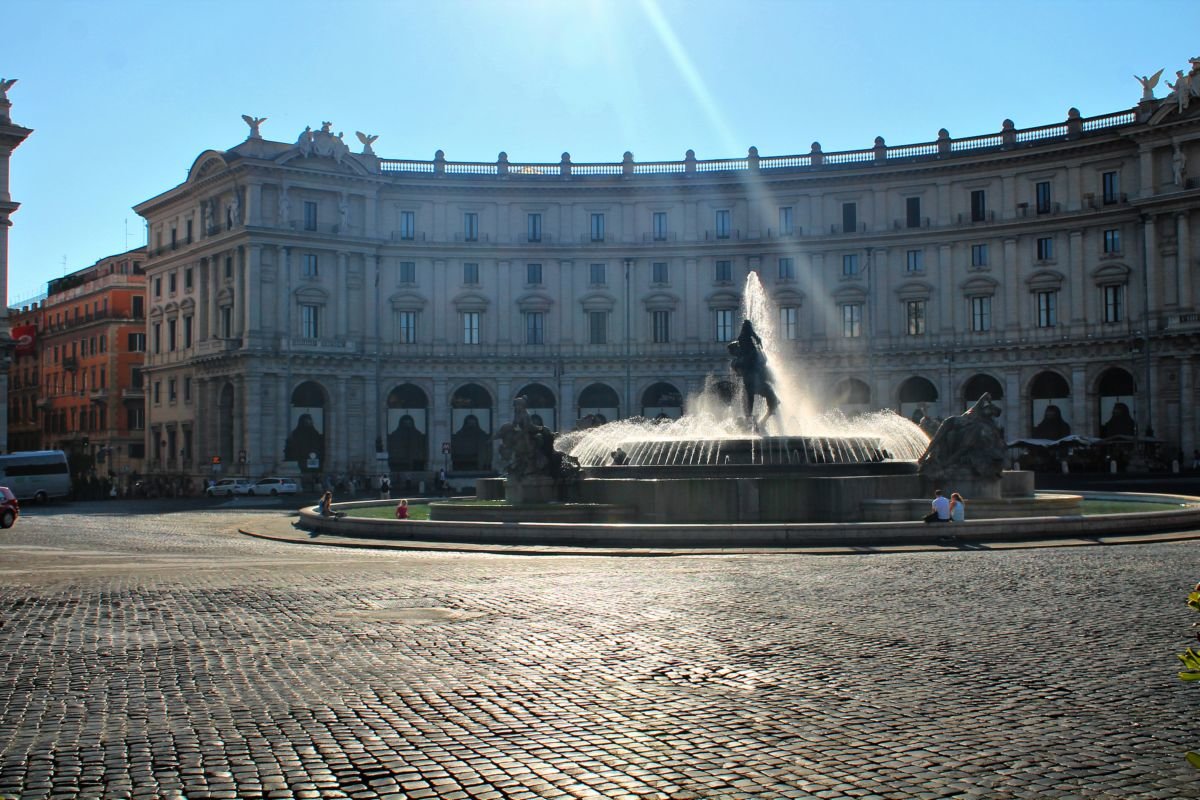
[{"x": 958, "y": 508}]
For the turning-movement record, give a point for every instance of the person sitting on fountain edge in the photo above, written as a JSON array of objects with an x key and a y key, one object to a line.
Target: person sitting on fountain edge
[{"x": 941, "y": 508}]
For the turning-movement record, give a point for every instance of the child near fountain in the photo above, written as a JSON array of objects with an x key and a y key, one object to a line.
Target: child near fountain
[{"x": 402, "y": 510}]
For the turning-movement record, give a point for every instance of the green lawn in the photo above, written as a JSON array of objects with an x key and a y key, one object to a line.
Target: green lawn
[
  {"x": 1124, "y": 507},
  {"x": 389, "y": 512}
]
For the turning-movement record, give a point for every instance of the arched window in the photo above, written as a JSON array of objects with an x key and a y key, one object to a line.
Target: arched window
[
  {"x": 662, "y": 401},
  {"x": 1050, "y": 406},
  {"x": 974, "y": 389},
  {"x": 408, "y": 428},
  {"x": 306, "y": 442},
  {"x": 851, "y": 396},
  {"x": 917, "y": 394},
  {"x": 598, "y": 404},
  {"x": 471, "y": 429},
  {"x": 540, "y": 404},
  {"x": 1117, "y": 391}
]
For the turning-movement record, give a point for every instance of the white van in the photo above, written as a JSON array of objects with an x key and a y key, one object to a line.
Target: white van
[{"x": 37, "y": 474}]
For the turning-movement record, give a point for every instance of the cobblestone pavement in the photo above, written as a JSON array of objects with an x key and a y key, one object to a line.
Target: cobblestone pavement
[{"x": 163, "y": 655}]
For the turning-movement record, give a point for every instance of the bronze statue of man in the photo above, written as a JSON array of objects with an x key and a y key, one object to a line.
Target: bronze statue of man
[{"x": 750, "y": 364}]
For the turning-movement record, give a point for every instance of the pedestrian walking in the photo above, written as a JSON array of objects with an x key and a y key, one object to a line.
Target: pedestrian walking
[{"x": 385, "y": 488}]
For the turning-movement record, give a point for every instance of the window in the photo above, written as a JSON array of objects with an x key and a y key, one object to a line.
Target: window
[
  {"x": 1114, "y": 303},
  {"x": 722, "y": 224},
  {"x": 533, "y": 274},
  {"x": 981, "y": 314},
  {"x": 1043, "y": 197},
  {"x": 137, "y": 380},
  {"x": 408, "y": 272},
  {"x": 724, "y": 272},
  {"x": 471, "y": 274},
  {"x": 187, "y": 331},
  {"x": 158, "y": 392},
  {"x": 659, "y": 272},
  {"x": 1111, "y": 187},
  {"x": 171, "y": 393},
  {"x": 228, "y": 266},
  {"x": 189, "y": 232},
  {"x": 978, "y": 205},
  {"x": 1112, "y": 240},
  {"x": 660, "y": 226},
  {"x": 103, "y": 341},
  {"x": 598, "y": 327},
  {"x": 533, "y": 227},
  {"x": 850, "y": 264},
  {"x": 786, "y": 225},
  {"x": 1047, "y": 309},
  {"x": 158, "y": 286},
  {"x": 408, "y": 225},
  {"x": 597, "y": 227},
  {"x": 310, "y": 265},
  {"x": 596, "y": 276},
  {"x": 310, "y": 321},
  {"x": 535, "y": 326},
  {"x": 226, "y": 322},
  {"x": 187, "y": 279},
  {"x": 914, "y": 312},
  {"x": 852, "y": 320},
  {"x": 1045, "y": 249},
  {"x": 724, "y": 319},
  {"x": 157, "y": 329},
  {"x": 979, "y": 255},
  {"x": 915, "y": 261},
  {"x": 470, "y": 327},
  {"x": 406, "y": 322},
  {"x": 174, "y": 239},
  {"x": 470, "y": 226},
  {"x": 912, "y": 212},
  {"x": 171, "y": 334},
  {"x": 849, "y": 217},
  {"x": 139, "y": 307},
  {"x": 789, "y": 317},
  {"x": 310, "y": 216},
  {"x": 787, "y": 269},
  {"x": 662, "y": 326},
  {"x": 137, "y": 422},
  {"x": 172, "y": 283}
]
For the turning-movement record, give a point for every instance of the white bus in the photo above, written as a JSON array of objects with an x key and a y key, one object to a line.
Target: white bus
[{"x": 37, "y": 474}]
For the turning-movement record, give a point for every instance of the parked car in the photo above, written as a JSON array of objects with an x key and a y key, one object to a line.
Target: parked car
[
  {"x": 228, "y": 487},
  {"x": 273, "y": 486},
  {"x": 10, "y": 509}
]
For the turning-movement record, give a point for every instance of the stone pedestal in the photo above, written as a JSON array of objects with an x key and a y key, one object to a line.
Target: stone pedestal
[{"x": 529, "y": 490}]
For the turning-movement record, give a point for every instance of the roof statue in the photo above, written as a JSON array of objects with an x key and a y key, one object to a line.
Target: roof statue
[
  {"x": 1148, "y": 85},
  {"x": 254, "y": 122},
  {"x": 367, "y": 140},
  {"x": 322, "y": 143},
  {"x": 5, "y": 85}
]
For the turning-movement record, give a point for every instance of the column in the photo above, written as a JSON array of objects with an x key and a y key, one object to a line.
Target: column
[
  {"x": 1014, "y": 420},
  {"x": 443, "y": 316},
  {"x": 204, "y": 301},
  {"x": 823, "y": 307},
  {"x": 1078, "y": 280},
  {"x": 1012, "y": 290},
  {"x": 505, "y": 308},
  {"x": 1184, "y": 260},
  {"x": 439, "y": 424},
  {"x": 1081, "y": 424},
  {"x": 240, "y": 295},
  {"x": 341, "y": 298},
  {"x": 946, "y": 291},
  {"x": 341, "y": 412},
  {"x": 253, "y": 212},
  {"x": 214, "y": 319},
  {"x": 282, "y": 300},
  {"x": 880, "y": 297},
  {"x": 250, "y": 306},
  {"x": 692, "y": 306},
  {"x": 1150, "y": 271},
  {"x": 563, "y": 330}
]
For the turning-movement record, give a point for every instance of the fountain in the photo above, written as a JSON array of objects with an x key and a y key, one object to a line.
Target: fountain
[{"x": 720, "y": 463}]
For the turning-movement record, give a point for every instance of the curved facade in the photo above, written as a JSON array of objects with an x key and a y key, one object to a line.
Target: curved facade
[{"x": 331, "y": 311}]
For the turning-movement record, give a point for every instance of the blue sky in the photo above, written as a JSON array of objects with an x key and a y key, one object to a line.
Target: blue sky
[{"x": 123, "y": 95}]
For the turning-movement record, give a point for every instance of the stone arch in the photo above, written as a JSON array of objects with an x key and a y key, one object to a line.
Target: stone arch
[
  {"x": 662, "y": 400},
  {"x": 598, "y": 403},
  {"x": 407, "y": 409},
  {"x": 1116, "y": 396},
  {"x": 308, "y": 423},
  {"x": 540, "y": 404},
  {"x": 471, "y": 409},
  {"x": 1049, "y": 406},
  {"x": 979, "y": 383},
  {"x": 851, "y": 396},
  {"x": 918, "y": 394}
]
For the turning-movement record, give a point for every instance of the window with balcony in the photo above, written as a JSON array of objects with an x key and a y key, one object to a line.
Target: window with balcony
[
  {"x": 408, "y": 272},
  {"x": 723, "y": 223},
  {"x": 408, "y": 225},
  {"x": 852, "y": 314},
  {"x": 914, "y": 314},
  {"x": 1047, "y": 309},
  {"x": 470, "y": 327},
  {"x": 789, "y": 322},
  {"x": 1042, "y": 192},
  {"x": 849, "y": 217},
  {"x": 1111, "y": 187},
  {"x": 470, "y": 226},
  {"x": 598, "y": 327},
  {"x": 597, "y": 227},
  {"x": 596, "y": 275},
  {"x": 724, "y": 324},
  {"x": 533, "y": 227},
  {"x": 310, "y": 216},
  {"x": 912, "y": 212},
  {"x": 787, "y": 225},
  {"x": 535, "y": 327},
  {"x": 662, "y": 326},
  {"x": 310, "y": 321},
  {"x": 981, "y": 314},
  {"x": 660, "y": 226},
  {"x": 406, "y": 326},
  {"x": 978, "y": 205}
]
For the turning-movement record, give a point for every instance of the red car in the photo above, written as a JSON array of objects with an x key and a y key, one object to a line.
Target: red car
[{"x": 10, "y": 509}]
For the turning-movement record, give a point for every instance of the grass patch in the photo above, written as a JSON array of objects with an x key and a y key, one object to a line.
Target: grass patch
[
  {"x": 1091, "y": 507},
  {"x": 389, "y": 512}
]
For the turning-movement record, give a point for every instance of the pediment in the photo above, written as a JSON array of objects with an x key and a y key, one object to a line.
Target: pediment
[
  {"x": 535, "y": 301},
  {"x": 471, "y": 301},
  {"x": 208, "y": 163},
  {"x": 407, "y": 301},
  {"x": 1110, "y": 274},
  {"x": 979, "y": 286},
  {"x": 1045, "y": 280}
]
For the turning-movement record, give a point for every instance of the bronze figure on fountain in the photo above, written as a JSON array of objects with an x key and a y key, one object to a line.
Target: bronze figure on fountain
[{"x": 750, "y": 364}]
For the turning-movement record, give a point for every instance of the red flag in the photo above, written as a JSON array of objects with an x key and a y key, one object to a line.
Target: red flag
[{"x": 25, "y": 337}]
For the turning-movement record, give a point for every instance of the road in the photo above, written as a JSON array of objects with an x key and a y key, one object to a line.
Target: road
[{"x": 149, "y": 650}]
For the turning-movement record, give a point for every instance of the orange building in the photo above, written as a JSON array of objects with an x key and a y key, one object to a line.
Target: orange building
[
  {"x": 24, "y": 388},
  {"x": 92, "y": 344}
]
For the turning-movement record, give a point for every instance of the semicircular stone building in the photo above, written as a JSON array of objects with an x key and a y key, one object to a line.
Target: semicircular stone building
[{"x": 314, "y": 310}]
